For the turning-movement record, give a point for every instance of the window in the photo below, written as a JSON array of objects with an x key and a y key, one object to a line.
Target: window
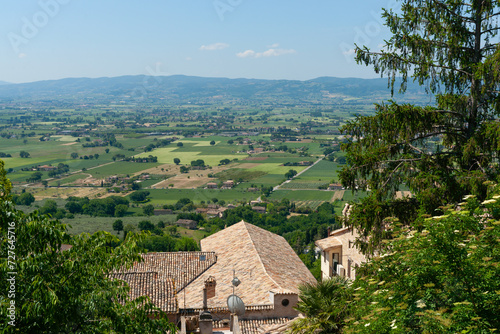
[{"x": 285, "y": 302}]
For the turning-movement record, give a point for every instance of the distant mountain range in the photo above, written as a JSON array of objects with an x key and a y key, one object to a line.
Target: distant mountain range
[{"x": 182, "y": 89}]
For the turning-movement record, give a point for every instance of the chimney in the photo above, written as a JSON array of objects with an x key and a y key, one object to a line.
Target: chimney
[{"x": 328, "y": 231}]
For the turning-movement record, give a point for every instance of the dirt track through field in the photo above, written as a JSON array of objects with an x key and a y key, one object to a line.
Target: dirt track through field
[{"x": 338, "y": 195}]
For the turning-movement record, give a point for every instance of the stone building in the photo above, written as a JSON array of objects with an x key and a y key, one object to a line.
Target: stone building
[{"x": 339, "y": 257}]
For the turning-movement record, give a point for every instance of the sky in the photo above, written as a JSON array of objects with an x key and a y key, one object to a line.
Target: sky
[{"x": 262, "y": 39}]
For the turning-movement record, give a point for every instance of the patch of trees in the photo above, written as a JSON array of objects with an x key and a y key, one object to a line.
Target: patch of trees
[
  {"x": 158, "y": 143},
  {"x": 118, "y": 156},
  {"x": 112, "y": 206},
  {"x": 61, "y": 169},
  {"x": 295, "y": 163},
  {"x": 183, "y": 203},
  {"x": 5, "y": 155},
  {"x": 139, "y": 196},
  {"x": 148, "y": 159},
  {"x": 24, "y": 154},
  {"x": 25, "y": 198},
  {"x": 35, "y": 177},
  {"x": 198, "y": 217},
  {"x": 198, "y": 163},
  {"x": 165, "y": 242}
]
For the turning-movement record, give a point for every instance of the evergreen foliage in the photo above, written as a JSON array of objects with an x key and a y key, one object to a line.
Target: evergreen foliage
[{"x": 440, "y": 152}]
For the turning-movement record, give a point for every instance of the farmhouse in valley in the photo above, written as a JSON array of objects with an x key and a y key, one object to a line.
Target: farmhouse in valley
[{"x": 187, "y": 223}]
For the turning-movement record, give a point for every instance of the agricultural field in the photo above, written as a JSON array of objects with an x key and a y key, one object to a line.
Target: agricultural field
[
  {"x": 171, "y": 196},
  {"x": 247, "y": 144},
  {"x": 323, "y": 173},
  {"x": 210, "y": 155}
]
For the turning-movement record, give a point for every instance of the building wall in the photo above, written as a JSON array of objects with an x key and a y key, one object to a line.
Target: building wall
[{"x": 348, "y": 256}]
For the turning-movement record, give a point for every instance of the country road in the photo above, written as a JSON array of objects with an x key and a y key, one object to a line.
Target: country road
[
  {"x": 69, "y": 174},
  {"x": 298, "y": 174}
]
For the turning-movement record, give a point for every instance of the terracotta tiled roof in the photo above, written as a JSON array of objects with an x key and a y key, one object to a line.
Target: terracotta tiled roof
[
  {"x": 160, "y": 291},
  {"x": 262, "y": 260},
  {"x": 327, "y": 243},
  {"x": 255, "y": 326},
  {"x": 181, "y": 267}
]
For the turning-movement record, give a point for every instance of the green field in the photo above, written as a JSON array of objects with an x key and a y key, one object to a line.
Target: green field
[
  {"x": 302, "y": 195},
  {"x": 81, "y": 224},
  {"x": 121, "y": 168},
  {"x": 266, "y": 180},
  {"x": 167, "y": 155},
  {"x": 275, "y": 168}
]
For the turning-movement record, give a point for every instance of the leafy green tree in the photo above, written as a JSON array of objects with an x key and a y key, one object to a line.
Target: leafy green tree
[
  {"x": 74, "y": 206},
  {"x": 35, "y": 177},
  {"x": 180, "y": 144},
  {"x": 157, "y": 243},
  {"x": 24, "y": 154},
  {"x": 128, "y": 229},
  {"x": 146, "y": 225},
  {"x": 177, "y": 161},
  {"x": 185, "y": 244},
  {"x": 442, "y": 278},
  {"x": 49, "y": 207},
  {"x": 118, "y": 225},
  {"x": 139, "y": 196},
  {"x": 148, "y": 210},
  {"x": 290, "y": 174},
  {"x": 74, "y": 155},
  {"x": 25, "y": 199},
  {"x": 121, "y": 210},
  {"x": 135, "y": 186},
  {"x": 212, "y": 142},
  {"x": 66, "y": 291},
  {"x": 450, "y": 47},
  {"x": 198, "y": 163},
  {"x": 325, "y": 306}
]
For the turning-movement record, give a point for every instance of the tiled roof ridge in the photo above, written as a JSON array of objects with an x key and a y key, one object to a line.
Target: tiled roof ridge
[{"x": 256, "y": 251}]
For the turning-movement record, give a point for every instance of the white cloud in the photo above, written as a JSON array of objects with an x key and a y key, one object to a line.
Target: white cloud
[
  {"x": 268, "y": 53},
  {"x": 22, "y": 55},
  {"x": 246, "y": 54},
  {"x": 273, "y": 46},
  {"x": 349, "y": 52},
  {"x": 213, "y": 47}
]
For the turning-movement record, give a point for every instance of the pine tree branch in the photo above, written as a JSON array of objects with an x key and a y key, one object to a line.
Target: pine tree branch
[
  {"x": 443, "y": 6},
  {"x": 413, "y": 62}
]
